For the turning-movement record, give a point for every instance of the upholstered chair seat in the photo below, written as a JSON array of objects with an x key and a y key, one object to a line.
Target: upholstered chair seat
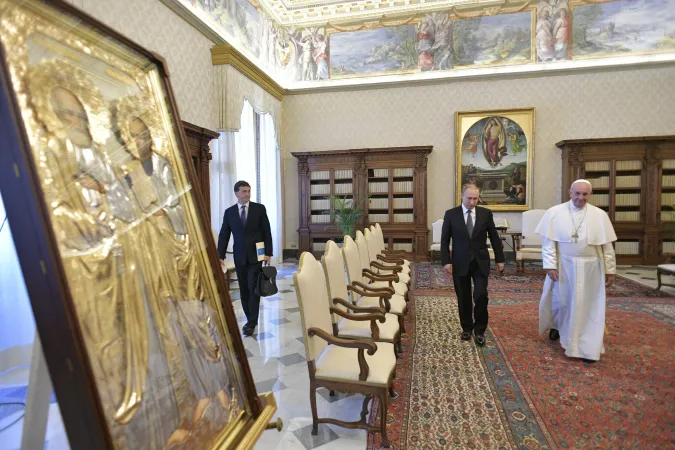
[
  {"x": 344, "y": 365},
  {"x": 352, "y": 321}
]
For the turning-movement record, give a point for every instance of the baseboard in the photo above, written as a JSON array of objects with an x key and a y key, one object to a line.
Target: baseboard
[{"x": 291, "y": 253}]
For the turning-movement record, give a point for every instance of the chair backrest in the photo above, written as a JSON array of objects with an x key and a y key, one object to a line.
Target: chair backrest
[
  {"x": 334, "y": 268},
  {"x": 371, "y": 243},
  {"x": 313, "y": 302},
  {"x": 436, "y": 231},
  {"x": 379, "y": 238},
  {"x": 352, "y": 260},
  {"x": 364, "y": 256},
  {"x": 530, "y": 220}
]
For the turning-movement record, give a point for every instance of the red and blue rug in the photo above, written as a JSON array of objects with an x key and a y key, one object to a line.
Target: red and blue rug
[{"x": 520, "y": 390}]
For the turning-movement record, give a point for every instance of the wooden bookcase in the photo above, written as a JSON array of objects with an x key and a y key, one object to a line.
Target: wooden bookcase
[
  {"x": 634, "y": 181},
  {"x": 198, "y": 139},
  {"x": 390, "y": 184}
]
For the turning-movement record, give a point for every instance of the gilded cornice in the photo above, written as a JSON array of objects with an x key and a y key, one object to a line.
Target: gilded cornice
[{"x": 226, "y": 54}]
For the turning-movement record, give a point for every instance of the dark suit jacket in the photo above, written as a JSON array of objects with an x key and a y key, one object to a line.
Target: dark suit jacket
[
  {"x": 257, "y": 230},
  {"x": 463, "y": 245}
]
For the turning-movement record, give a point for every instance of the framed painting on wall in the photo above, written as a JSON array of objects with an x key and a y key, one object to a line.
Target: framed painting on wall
[
  {"x": 130, "y": 302},
  {"x": 495, "y": 151}
]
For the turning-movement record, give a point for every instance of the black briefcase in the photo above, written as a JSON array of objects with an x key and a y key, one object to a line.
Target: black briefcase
[{"x": 266, "y": 284}]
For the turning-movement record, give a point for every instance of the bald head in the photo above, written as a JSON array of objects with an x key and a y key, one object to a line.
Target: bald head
[{"x": 580, "y": 191}]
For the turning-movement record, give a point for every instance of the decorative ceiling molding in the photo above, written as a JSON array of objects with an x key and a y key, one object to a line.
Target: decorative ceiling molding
[
  {"x": 226, "y": 54},
  {"x": 317, "y": 12}
]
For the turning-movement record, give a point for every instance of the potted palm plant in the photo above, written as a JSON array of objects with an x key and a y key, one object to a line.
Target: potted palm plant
[{"x": 345, "y": 213}]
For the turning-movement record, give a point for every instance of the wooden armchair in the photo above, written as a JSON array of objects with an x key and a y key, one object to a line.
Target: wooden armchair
[
  {"x": 354, "y": 326},
  {"x": 369, "y": 260},
  {"x": 385, "y": 250},
  {"x": 379, "y": 247},
  {"x": 344, "y": 365},
  {"x": 369, "y": 289}
]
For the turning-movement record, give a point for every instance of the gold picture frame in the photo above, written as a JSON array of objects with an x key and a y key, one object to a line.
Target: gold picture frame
[
  {"x": 495, "y": 150},
  {"x": 150, "y": 323}
]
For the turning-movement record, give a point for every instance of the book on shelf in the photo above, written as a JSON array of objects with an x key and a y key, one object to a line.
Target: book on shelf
[
  {"x": 403, "y": 203},
  {"x": 403, "y": 186},
  {"x": 407, "y": 172},
  {"x": 378, "y": 188},
  {"x": 668, "y": 246},
  {"x": 599, "y": 200},
  {"x": 380, "y": 173},
  {"x": 627, "y": 199},
  {"x": 343, "y": 174},
  {"x": 319, "y": 175},
  {"x": 320, "y": 189},
  {"x": 627, "y": 248},
  {"x": 627, "y": 216},
  {"x": 597, "y": 166},
  {"x": 407, "y": 247},
  {"x": 378, "y": 203},
  {"x": 404, "y": 218},
  {"x": 629, "y": 165},
  {"x": 343, "y": 188},
  {"x": 374, "y": 218},
  {"x": 628, "y": 181}
]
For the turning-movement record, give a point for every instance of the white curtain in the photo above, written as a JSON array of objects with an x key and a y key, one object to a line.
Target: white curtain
[
  {"x": 270, "y": 181},
  {"x": 244, "y": 143},
  {"x": 17, "y": 326},
  {"x": 223, "y": 175}
]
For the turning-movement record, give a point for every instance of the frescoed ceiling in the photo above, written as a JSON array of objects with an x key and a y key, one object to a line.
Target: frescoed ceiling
[
  {"x": 310, "y": 44},
  {"x": 314, "y": 12}
]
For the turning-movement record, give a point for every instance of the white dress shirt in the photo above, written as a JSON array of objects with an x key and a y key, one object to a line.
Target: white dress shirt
[{"x": 465, "y": 211}]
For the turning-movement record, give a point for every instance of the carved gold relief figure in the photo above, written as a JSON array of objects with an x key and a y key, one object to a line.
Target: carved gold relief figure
[
  {"x": 107, "y": 275},
  {"x": 127, "y": 227},
  {"x": 178, "y": 281}
]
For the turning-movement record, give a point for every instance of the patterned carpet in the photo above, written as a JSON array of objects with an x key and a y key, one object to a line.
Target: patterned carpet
[{"x": 520, "y": 391}]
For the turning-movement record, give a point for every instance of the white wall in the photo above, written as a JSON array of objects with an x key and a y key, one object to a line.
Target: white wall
[
  {"x": 582, "y": 105},
  {"x": 186, "y": 51}
]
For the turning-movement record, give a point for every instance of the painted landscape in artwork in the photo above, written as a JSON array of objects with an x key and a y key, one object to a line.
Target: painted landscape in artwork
[
  {"x": 376, "y": 51},
  {"x": 488, "y": 40},
  {"x": 623, "y": 27}
]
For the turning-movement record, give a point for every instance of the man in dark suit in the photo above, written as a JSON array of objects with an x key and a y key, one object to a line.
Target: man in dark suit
[
  {"x": 469, "y": 226},
  {"x": 249, "y": 224}
]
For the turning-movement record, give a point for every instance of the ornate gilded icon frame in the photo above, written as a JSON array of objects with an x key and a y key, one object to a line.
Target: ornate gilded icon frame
[
  {"x": 514, "y": 133},
  {"x": 130, "y": 301}
]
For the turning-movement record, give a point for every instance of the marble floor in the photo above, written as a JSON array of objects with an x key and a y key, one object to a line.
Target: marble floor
[
  {"x": 277, "y": 359},
  {"x": 276, "y": 355}
]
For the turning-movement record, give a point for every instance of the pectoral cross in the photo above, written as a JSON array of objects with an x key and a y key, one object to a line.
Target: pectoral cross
[{"x": 575, "y": 237}]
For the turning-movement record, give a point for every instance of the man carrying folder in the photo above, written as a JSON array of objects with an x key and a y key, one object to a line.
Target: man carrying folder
[{"x": 249, "y": 224}]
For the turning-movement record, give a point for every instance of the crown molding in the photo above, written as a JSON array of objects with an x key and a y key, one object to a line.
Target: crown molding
[{"x": 226, "y": 54}]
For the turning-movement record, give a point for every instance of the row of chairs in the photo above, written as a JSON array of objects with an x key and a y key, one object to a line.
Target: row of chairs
[{"x": 352, "y": 306}]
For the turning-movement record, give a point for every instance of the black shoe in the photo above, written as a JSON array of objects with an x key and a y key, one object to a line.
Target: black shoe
[
  {"x": 589, "y": 361},
  {"x": 466, "y": 335},
  {"x": 248, "y": 330},
  {"x": 553, "y": 335},
  {"x": 480, "y": 340}
]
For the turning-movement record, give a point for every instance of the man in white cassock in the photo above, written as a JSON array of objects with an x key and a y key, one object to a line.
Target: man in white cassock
[{"x": 580, "y": 263}]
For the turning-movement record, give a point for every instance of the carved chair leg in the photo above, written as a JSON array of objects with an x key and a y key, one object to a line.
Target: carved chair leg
[
  {"x": 312, "y": 402},
  {"x": 384, "y": 400},
  {"x": 392, "y": 393},
  {"x": 364, "y": 410},
  {"x": 401, "y": 324},
  {"x": 658, "y": 279},
  {"x": 399, "y": 347}
]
